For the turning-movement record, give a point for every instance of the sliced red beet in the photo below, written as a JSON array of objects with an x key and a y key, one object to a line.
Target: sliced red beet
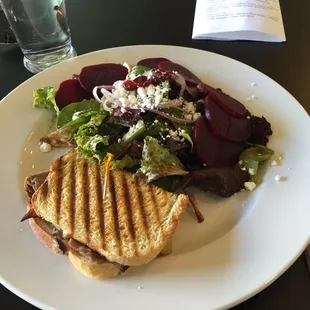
[
  {"x": 103, "y": 74},
  {"x": 70, "y": 91},
  {"x": 212, "y": 151},
  {"x": 232, "y": 106},
  {"x": 151, "y": 62},
  {"x": 190, "y": 78},
  {"x": 225, "y": 126}
]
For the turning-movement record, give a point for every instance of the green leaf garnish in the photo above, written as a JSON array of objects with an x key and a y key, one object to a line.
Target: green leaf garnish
[
  {"x": 44, "y": 97},
  {"x": 158, "y": 162},
  {"x": 252, "y": 157}
]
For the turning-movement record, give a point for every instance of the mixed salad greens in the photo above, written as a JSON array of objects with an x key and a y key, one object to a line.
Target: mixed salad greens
[{"x": 160, "y": 122}]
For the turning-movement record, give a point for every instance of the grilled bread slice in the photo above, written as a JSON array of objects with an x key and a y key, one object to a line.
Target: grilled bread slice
[
  {"x": 128, "y": 223},
  {"x": 89, "y": 264}
]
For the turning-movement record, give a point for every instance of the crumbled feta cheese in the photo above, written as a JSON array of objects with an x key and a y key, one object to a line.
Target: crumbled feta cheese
[
  {"x": 142, "y": 110},
  {"x": 251, "y": 171},
  {"x": 158, "y": 99},
  {"x": 123, "y": 110},
  {"x": 156, "y": 121},
  {"x": 151, "y": 90},
  {"x": 173, "y": 134},
  {"x": 141, "y": 92},
  {"x": 279, "y": 178},
  {"x": 274, "y": 163},
  {"x": 147, "y": 103},
  {"x": 196, "y": 116},
  {"x": 120, "y": 92},
  {"x": 253, "y": 97},
  {"x": 182, "y": 140},
  {"x": 188, "y": 116},
  {"x": 139, "y": 287},
  {"x": 166, "y": 124},
  {"x": 45, "y": 147},
  {"x": 132, "y": 99},
  {"x": 243, "y": 169},
  {"x": 240, "y": 162},
  {"x": 248, "y": 117},
  {"x": 125, "y": 102},
  {"x": 119, "y": 140},
  {"x": 250, "y": 186},
  {"x": 189, "y": 107}
]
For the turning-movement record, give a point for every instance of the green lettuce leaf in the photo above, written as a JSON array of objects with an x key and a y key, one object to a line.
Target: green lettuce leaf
[
  {"x": 126, "y": 162},
  {"x": 44, "y": 97},
  {"x": 171, "y": 184},
  {"x": 78, "y": 113},
  {"x": 92, "y": 127},
  {"x": 252, "y": 157},
  {"x": 158, "y": 162},
  {"x": 134, "y": 132},
  {"x": 136, "y": 71},
  {"x": 95, "y": 146}
]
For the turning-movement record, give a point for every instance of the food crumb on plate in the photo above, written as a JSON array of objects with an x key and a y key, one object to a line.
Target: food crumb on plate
[
  {"x": 274, "y": 163},
  {"x": 251, "y": 171},
  {"x": 139, "y": 287},
  {"x": 45, "y": 147},
  {"x": 279, "y": 178},
  {"x": 250, "y": 186},
  {"x": 253, "y": 84}
]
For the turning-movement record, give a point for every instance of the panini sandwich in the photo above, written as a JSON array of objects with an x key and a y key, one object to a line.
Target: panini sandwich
[{"x": 106, "y": 220}]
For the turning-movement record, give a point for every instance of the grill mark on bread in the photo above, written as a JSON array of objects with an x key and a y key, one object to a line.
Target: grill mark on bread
[
  {"x": 142, "y": 210},
  {"x": 112, "y": 190},
  {"x": 72, "y": 199},
  {"x": 128, "y": 206},
  {"x": 155, "y": 206},
  {"x": 44, "y": 190},
  {"x": 86, "y": 204},
  {"x": 58, "y": 189},
  {"x": 100, "y": 205}
]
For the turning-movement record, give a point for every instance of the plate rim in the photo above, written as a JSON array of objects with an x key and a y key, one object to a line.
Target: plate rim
[{"x": 36, "y": 302}]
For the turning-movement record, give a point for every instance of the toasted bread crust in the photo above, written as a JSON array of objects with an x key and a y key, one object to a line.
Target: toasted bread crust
[
  {"x": 95, "y": 270},
  {"x": 41, "y": 231}
]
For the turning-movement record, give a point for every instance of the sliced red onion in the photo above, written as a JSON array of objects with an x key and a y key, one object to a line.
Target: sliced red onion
[
  {"x": 180, "y": 79},
  {"x": 105, "y": 105},
  {"x": 95, "y": 94},
  {"x": 175, "y": 103},
  {"x": 171, "y": 118},
  {"x": 118, "y": 83}
]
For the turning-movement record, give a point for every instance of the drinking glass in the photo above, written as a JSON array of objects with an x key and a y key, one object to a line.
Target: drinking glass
[{"x": 42, "y": 31}]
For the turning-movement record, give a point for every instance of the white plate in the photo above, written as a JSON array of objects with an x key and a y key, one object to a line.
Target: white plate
[{"x": 245, "y": 243}]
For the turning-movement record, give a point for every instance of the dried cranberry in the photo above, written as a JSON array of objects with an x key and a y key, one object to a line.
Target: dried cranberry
[
  {"x": 140, "y": 80},
  {"x": 130, "y": 85}
]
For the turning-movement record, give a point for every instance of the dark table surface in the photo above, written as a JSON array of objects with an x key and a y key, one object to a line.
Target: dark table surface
[{"x": 103, "y": 24}]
